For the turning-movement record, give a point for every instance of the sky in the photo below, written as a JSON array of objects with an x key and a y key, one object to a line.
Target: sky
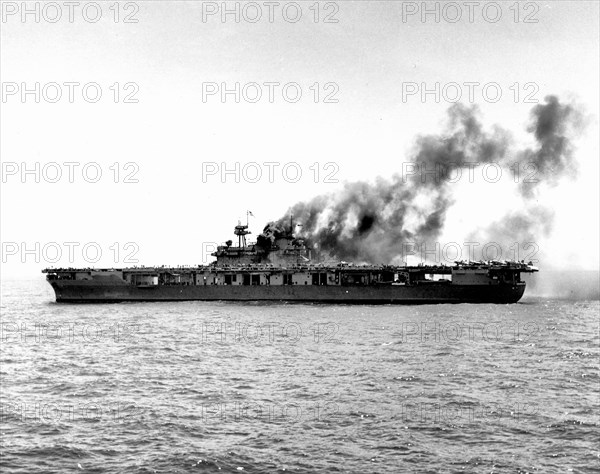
[{"x": 161, "y": 133}]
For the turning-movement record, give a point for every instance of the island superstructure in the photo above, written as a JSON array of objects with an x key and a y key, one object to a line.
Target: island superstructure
[{"x": 279, "y": 267}]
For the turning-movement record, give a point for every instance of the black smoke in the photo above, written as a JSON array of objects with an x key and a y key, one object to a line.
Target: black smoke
[
  {"x": 552, "y": 124},
  {"x": 368, "y": 222}
]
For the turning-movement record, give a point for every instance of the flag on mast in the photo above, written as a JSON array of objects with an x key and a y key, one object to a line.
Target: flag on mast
[{"x": 248, "y": 213}]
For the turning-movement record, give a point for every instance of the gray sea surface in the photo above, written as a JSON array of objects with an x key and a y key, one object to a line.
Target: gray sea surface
[{"x": 309, "y": 388}]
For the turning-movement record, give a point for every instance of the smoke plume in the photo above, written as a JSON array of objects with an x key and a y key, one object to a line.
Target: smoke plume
[
  {"x": 367, "y": 222},
  {"x": 553, "y": 125}
]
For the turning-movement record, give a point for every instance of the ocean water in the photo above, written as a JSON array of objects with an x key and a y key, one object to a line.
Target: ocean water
[{"x": 222, "y": 387}]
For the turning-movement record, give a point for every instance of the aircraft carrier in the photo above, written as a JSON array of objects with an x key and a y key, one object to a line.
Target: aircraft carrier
[{"x": 280, "y": 268}]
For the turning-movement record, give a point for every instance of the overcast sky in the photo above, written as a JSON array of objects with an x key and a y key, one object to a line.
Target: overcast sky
[{"x": 171, "y": 122}]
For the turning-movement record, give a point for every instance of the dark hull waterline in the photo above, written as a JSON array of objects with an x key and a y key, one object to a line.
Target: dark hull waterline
[{"x": 431, "y": 293}]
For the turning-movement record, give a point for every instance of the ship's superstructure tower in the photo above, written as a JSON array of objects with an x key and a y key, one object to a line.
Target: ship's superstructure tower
[
  {"x": 280, "y": 248},
  {"x": 241, "y": 231}
]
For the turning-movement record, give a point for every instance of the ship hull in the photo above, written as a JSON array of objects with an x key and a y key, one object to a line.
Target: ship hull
[{"x": 430, "y": 293}]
